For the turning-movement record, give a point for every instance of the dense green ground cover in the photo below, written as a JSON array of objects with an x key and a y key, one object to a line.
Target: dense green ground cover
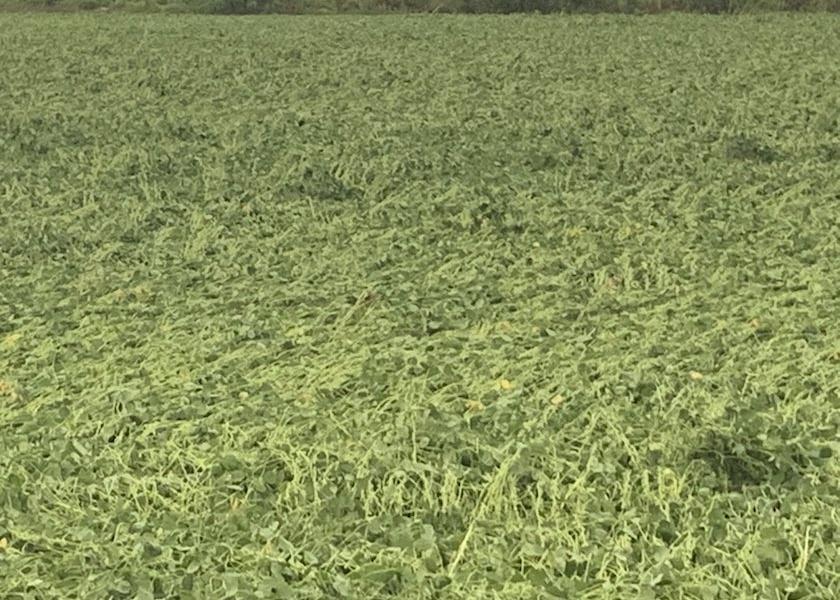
[{"x": 419, "y": 307}]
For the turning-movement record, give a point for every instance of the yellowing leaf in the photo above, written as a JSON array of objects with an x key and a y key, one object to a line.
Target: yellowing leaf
[
  {"x": 613, "y": 282},
  {"x": 11, "y": 340},
  {"x": 475, "y": 405},
  {"x": 7, "y": 389},
  {"x": 141, "y": 292},
  {"x": 505, "y": 385},
  {"x": 557, "y": 400},
  {"x": 695, "y": 375},
  {"x": 4, "y": 544}
]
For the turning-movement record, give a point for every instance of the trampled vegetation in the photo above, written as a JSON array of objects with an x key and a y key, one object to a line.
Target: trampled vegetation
[{"x": 419, "y": 307}]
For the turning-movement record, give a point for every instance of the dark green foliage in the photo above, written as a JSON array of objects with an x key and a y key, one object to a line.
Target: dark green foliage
[
  {"x": 245, "y": 6},
  {"x": 742, "y": 147}
]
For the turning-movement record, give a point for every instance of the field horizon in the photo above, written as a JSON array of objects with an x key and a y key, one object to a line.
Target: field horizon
[{"x": 640, "y": 7}]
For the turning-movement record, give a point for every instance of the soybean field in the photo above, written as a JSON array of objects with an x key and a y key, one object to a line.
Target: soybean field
[{"x": 420, "y": 307}]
